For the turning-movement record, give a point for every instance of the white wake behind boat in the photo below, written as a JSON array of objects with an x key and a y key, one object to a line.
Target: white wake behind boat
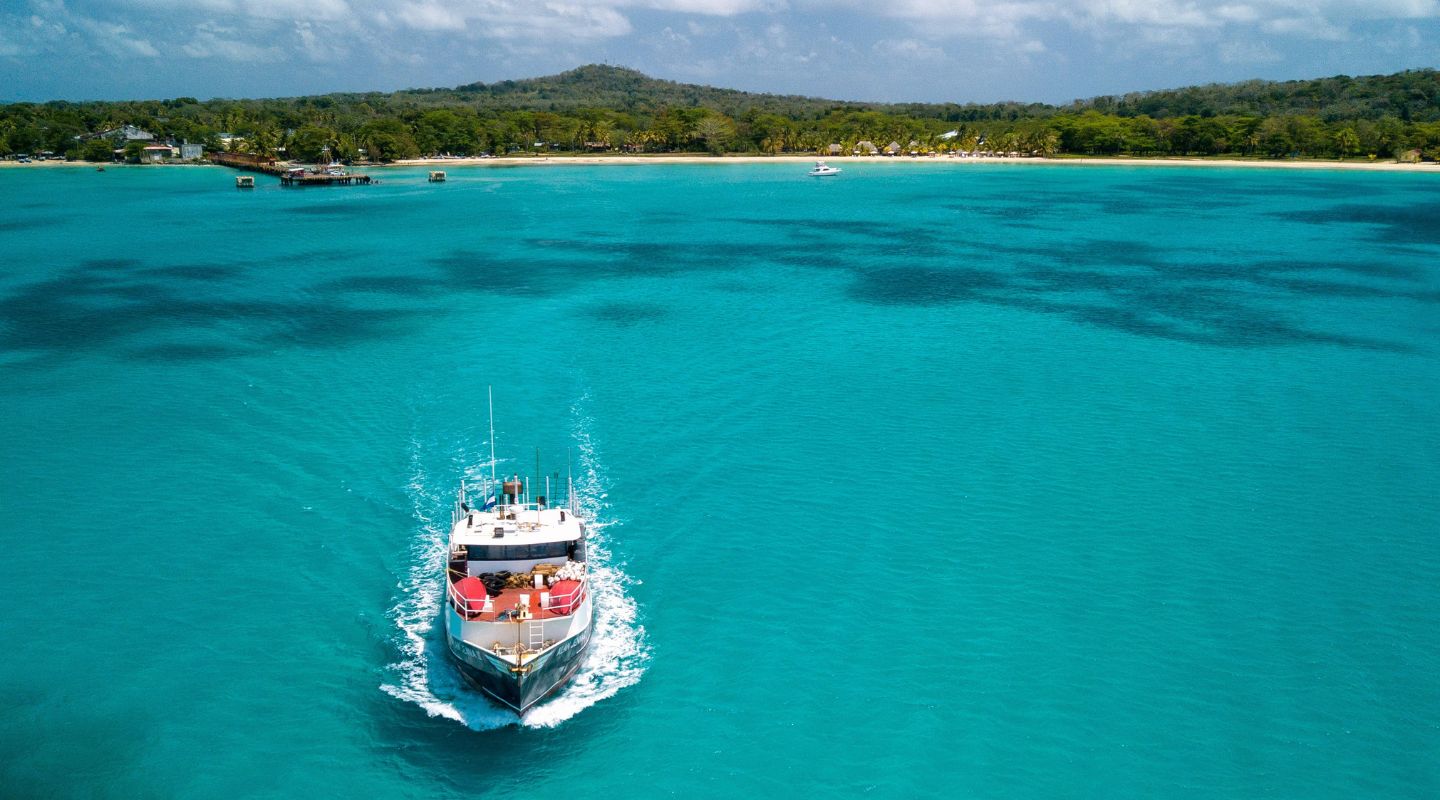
[{"x": 822, "y": 169}]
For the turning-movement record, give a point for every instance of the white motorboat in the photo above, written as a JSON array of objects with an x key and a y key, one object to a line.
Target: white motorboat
[{"x": 821, "y": 169}]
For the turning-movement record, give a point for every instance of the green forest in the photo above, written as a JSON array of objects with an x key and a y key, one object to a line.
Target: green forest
[{"x": 603, "y": 109}]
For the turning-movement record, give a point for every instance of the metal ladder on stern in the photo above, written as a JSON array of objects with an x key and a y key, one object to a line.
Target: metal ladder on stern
[{"x": 535, "y": 635}]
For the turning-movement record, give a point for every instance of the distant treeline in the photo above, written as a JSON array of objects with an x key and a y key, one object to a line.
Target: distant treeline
[{"x": 598, "y": 108}]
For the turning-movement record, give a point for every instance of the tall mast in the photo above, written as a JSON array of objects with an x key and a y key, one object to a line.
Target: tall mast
[{"x": 490, "y": 392}]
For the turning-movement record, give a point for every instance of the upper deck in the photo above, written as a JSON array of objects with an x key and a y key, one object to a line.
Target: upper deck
[
  {"x": 504, "y": 520},
  {"x": 515, "y": 524}
]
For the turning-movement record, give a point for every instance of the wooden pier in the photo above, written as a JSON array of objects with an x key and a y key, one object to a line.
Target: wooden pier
[
  {"x": 248, "y": 162},
  {"x": 301, "y": 178},
  {"x": 288, "y": 175}
]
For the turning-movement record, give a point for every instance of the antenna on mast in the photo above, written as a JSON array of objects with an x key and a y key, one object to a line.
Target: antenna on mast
[{"x": 490, "y": 393}]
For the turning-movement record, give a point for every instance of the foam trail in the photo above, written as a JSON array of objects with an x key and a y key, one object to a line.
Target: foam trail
[
  {"x": 618, "y": 652},
  {"x": 423, "y": 675}
]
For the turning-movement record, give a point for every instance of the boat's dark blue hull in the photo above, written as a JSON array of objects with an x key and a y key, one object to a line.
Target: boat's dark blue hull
[{"x": 519, "y": 691}]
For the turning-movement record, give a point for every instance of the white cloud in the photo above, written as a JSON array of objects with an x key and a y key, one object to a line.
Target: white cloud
[
  {"x": 1147, "y": 13},
  {"x": 213, "y": 41},
  {"x": 910, "y": 50},
  {"x": 324, "y": 10},
  {"x": 551, "y": 22},
  {"x": 713, "y": 8},
  {"x": 431, "y": 16},
  {"x": 508, "y": 20},
  {"x": 1247, "y": 53},
  {"x": 8, "y": 48},
  {"x": 1309, "y": 27},
  {"x": 116, "y": 39},
  {"x": 1010, "y": 25},
  {"x": 1406, "y": 37},
  {"x": 316, "y": 46},
  {"x": 1162, "y": 22},
  {"x": 1240, "y": 14},
  {"x": 46, "y": 27},
  {"x": 669, "y": 38}
]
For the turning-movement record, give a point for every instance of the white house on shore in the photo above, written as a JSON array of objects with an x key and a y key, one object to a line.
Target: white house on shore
[
  {"x": 121, "y": 135},
  {"x": 156, "y": 153}
]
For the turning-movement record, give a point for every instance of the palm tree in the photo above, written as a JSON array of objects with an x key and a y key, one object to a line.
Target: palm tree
[
  {"x": 1347, "y": 142},
  {"x": 263, "y": 141},
  {"x": 810, "y": 142},
  {"x": 602, "y": 130},
  {"x": 1044, "y": 143}
]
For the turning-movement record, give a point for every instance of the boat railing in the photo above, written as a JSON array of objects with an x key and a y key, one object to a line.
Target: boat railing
[
  {"x": 491, "y": 494},
  {"x": 461, "y": 603}
]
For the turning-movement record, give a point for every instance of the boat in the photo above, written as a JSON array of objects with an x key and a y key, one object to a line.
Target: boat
[
  {"x": 821, "y": 169},
  {"x": 437, "y": 176},
  {"x": 518, "y": 605}
]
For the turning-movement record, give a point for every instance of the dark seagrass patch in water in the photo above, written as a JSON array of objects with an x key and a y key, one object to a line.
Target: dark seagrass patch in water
[
  {"x": 101, "y": 305},
  {"x": 1416, "y": 223},
  {"x": 1139, "y": 302},
  {"x": 186, "y": 351},
  {"x": 627, "y": 314},
  {"x": 196, "y": 272}
]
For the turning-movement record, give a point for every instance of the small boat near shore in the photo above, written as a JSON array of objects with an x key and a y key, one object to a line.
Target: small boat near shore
[{"x": 822, "y": 169}]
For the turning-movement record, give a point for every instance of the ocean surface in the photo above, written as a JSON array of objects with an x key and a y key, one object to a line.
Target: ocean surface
[{"x": 930, "y": 480}]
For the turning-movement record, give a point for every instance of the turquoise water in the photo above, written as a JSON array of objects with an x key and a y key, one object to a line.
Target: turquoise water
[{"x": 929, "y": 480}]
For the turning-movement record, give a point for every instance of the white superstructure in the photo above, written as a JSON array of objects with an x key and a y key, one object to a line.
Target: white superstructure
[{"x": 518, "y": 616}]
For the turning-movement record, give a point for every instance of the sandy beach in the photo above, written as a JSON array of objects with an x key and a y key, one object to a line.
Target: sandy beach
[
  {"x": 630, "y": 160},
  {"x": 560, "y": 160}
]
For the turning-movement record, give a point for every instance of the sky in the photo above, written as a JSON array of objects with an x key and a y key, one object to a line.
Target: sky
[{"x": 875, "y": 50}]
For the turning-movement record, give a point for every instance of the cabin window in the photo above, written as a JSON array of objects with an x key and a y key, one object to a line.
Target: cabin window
[{"x": 518, "y": 552}]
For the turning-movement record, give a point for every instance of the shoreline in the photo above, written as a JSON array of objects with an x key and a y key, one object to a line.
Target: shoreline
[
  {"x": 621, "y": 160},
  {"x": 633, "y": 160}
]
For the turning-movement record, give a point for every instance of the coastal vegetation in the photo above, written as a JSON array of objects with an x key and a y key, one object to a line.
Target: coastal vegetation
[{"x": 596, "y": 109}]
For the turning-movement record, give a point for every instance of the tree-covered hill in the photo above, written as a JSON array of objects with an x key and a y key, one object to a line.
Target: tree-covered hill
[
  {"x": 629, "y": 91},
  {"x": 603, "y": 108},
  {"x": 1412, "y": 96}
]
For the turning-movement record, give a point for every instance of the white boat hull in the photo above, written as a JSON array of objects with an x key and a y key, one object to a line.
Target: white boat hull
[{"x": 517, "y": 687}]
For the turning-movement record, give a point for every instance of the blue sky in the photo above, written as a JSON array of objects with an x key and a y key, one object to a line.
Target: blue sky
[{"x": 893, "y": 50}]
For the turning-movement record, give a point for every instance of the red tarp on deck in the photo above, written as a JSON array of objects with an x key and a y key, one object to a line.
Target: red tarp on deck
[
  {"x": 472, "y": 589},
  {"x": 564, "y": 596}
]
